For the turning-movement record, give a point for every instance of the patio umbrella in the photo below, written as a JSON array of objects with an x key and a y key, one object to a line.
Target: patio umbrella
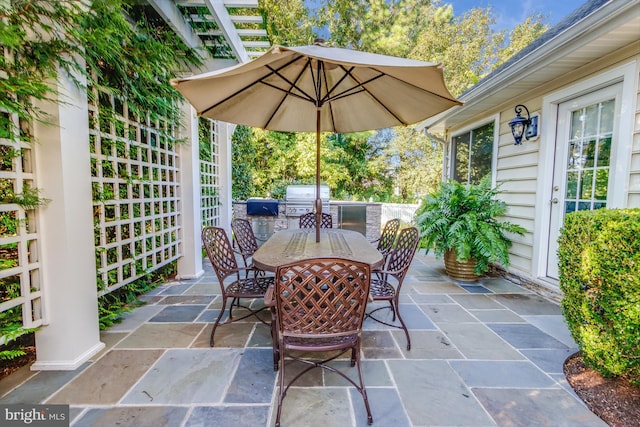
[{"x": 322, "y": 89}]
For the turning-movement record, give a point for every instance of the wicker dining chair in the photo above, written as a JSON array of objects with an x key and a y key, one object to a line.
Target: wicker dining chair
[
  {"x": 251, "y": 286},
  {"x": 388, "y": 236},
  {"x": 386, "y": 283},
  {"x": 320, "y": 305},
  {"x": 308, "y": 220}
]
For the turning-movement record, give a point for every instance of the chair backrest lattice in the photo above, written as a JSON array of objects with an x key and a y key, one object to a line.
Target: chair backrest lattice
[
  {"x": 388, "y": 236},
  {"x": 244, "y": 236},
  {"x": 219, "y": 251},
  {"x": 401, "y": 255},
  {"x": 321, "y": 297},
  {"x": 308, "y": 220}
]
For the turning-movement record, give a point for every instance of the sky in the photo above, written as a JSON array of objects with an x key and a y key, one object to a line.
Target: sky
[{"x": 509, "y": 13}]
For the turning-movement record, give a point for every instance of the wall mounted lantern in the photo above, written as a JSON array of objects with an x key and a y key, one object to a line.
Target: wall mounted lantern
[{"x": 523, "y": 127}]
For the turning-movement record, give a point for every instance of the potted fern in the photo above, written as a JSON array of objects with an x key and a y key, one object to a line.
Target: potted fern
[{"x": 460, "y": 222}]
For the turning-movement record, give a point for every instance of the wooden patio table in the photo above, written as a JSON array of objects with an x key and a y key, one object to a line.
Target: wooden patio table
[{"x": 292, "y": 245}]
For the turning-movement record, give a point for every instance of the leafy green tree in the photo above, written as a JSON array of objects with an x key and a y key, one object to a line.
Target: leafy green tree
[
  {"x": 363, "y": 177},
  {"x": 287, "y": 22},
  {"x": 242, "y": 160},
  {"x": 417, "y": 164},
  {"x": 366, "y": 165},
  {"x": 465, "y": 45},
  {"x": 388, "y": 27},
  {"x": 521, "y": 36}
]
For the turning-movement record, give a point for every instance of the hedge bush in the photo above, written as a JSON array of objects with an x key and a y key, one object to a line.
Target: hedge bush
[{"x": 599, "y": 262}]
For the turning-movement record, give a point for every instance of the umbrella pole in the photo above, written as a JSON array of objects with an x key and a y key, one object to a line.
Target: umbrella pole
[{"x": 318, "y": 199}]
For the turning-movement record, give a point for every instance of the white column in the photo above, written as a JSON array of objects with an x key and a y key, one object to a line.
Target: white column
[
  {"x": 225, "y": 132},
  {"x": 190, "y": 263},
  {"x": 71, "y": 334}
]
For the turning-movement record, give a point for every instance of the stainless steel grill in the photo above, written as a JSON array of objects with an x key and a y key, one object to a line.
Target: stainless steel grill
[{"x": 301, "y": 198}]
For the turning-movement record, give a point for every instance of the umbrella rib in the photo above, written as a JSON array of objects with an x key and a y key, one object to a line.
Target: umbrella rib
[
  {"x": 272, "y": 72},
  {"x": 359, "y": 88},
  {"x": 236, "y": 93},
  {"x": 355, "y": 89},
  {"x": 347, "y": 73},
  {"x": 288, "y": 92},
  {"x": 331, "y": 116},
  {"x": 292, "y": 85},
  {"x": 317, "y": 82},
  {"x": 422, "y": 89}
]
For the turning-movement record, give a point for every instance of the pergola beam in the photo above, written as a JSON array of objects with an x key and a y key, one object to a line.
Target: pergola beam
[
  {"x": 241, "y": 33},
  {"x": 172, "y": 16},
  {"x": 228, "y": 3},
  {"x": 222, "y": 18}
]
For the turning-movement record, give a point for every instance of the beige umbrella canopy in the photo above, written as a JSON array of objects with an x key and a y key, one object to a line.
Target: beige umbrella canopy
[{"x": 321, "y": 89}]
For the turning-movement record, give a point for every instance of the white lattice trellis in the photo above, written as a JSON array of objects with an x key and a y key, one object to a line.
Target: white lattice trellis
[
  {"x": 20, "y": 287},
  {"x": 134, "y": 169},
  {"x": 209, "y": 172}
]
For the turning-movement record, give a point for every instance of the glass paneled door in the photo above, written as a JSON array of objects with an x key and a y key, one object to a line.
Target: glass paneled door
[{"x": 584, "y": 144}]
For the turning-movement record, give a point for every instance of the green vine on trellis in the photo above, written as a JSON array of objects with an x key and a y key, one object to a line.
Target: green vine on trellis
[{"x": 132, "y": 62}]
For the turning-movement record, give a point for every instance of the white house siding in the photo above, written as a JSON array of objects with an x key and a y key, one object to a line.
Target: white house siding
[
  {"x": 518, "y": 172},
  {"x": 634, "y": 176},
  {"x": 517, "y": 168},
  {"x": 594, "y": 52}
]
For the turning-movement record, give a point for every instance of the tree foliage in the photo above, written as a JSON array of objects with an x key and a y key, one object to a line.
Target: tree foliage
[
  {"x": 101, "y": 42},
  {"x": 134, "y": 62},
  {"x": 32, "y": 53},
  {"x": 414, "y": 156},
  {"x": 399, "y": 165},
  {"x": 287, "y": 22},
  {"x": 265, "y": 162}
]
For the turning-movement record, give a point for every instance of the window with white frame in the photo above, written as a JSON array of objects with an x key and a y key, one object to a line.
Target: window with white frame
[{"x": 472, "y": 154}]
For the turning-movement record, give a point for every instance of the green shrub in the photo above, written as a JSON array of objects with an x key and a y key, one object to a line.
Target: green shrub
[{"x": 599, "y": 262}]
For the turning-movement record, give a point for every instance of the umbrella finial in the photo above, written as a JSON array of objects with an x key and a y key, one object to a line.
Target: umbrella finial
[{"x": 319, "y": 41}]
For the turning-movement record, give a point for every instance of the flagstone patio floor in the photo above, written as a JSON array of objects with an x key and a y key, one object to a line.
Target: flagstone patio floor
[{"x": 484, "y": 354}]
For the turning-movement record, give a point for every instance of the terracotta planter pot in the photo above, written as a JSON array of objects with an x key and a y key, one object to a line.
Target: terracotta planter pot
[{"x": 459, "y": 270}]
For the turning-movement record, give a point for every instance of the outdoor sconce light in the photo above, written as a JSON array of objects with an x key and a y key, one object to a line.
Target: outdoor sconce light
[{"x": 521, "y": 127}]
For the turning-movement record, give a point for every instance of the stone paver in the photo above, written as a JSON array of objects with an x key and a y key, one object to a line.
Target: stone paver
[
  {"x": 182, "y": 376},
  {"x": 549, "y": 360},
  {"x": 140, "y": 416},
  {"x": 135, "y": 318},
  {"x": 477, "y": 341},
  {"x": 386, "y": 408},
  {"x": 483, "y": 354},
  {"x": 508, "y": 374},
  {"x": 525, "y": 336},
  {"x": 433, "y": 394},
  {"x": 162, "y": 335},
  {"x": 236, "y": 416},
  {"x": 555, "y": 326},
  {"x": 534, "y": 407},
  {"x": 254, "y": 379},
  {"x": 108, "y": 379},
  {"x": 317, "y": 407},
  {"x": 447, "y": 313}
]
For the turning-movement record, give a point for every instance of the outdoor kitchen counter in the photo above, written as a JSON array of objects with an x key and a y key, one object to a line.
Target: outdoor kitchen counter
[{"x": 292, "y": 245}]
